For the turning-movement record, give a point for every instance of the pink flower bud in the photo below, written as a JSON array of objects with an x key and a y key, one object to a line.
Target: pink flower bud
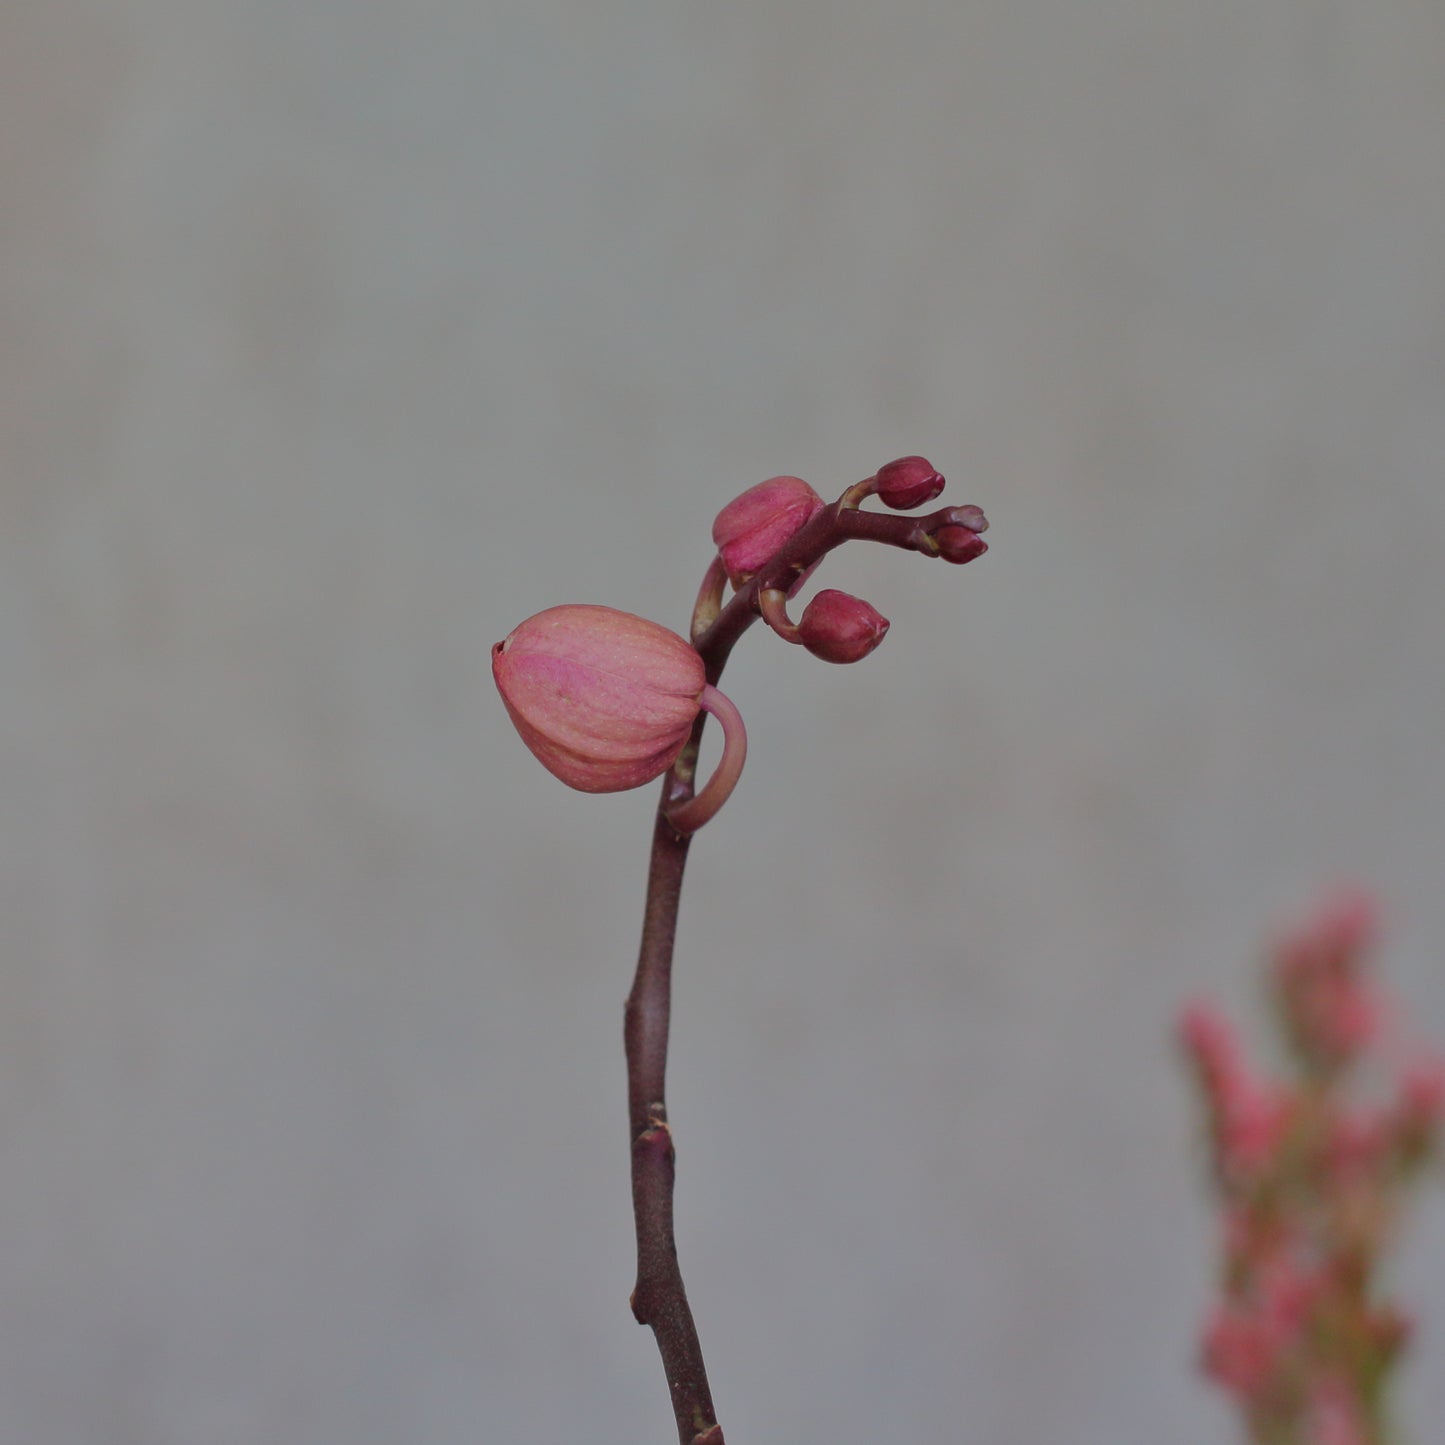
[
  {"x": 1209, "y": 1040},
  {"x": 1331, "y": 1009},
  {"x": 1335, "y": 1414},
  {"x": 1243, "y": 1351},
  {"x": 752, "y": 527},
  {"x": 1355, "y": 1143},
  {"x": 1250, "y": 1128},
  {"x": 908, "y": 482},
  {"x": 605, "y": 700},
  {"x": 1423, "y": 1090},
  {"x": 1420, "y": 1111},
  {"x": 840, "y": 628},
  {"x": 959, "y": 544}
]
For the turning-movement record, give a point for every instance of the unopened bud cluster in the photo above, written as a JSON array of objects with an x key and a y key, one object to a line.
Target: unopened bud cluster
[
  {"x": 608, "y": 701},
  {"x": 1311, "y": 1181}
]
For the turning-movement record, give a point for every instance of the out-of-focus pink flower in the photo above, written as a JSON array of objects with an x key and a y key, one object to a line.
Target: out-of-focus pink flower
[
  {"x": 1422, "y": 1091},
  {"x": 1341, "y": 1015},
  {"x": 1355, "y": 1142},
  {"x": 1248, "y": 1118},
  {"x": 1332, "y": 1011},
  {"x": 1288, "y": 1293},
  {"x": 1310, "y": 1182},
  {"x": 1344, "y": 923},
  {"x": 1419, "y": 1112},
  {"x": 1251, "y": 1124},
  {"x": 1210, "y": 1041},
  {"x": 1243, "y": 1350},
  {"x": 1252, "y": 1339},
  {"x": 1335, "y": 1415},
  {"x": 1208, "y": 1036}
]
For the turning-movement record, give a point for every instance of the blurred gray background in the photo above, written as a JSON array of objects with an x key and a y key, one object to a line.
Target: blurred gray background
[{"x": 337, "y": 338}]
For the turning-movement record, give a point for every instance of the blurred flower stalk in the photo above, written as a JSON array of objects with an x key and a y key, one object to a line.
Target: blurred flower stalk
[{"x": 1311, "y": 1172}]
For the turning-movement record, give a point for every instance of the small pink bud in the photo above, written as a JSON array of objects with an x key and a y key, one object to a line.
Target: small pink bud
[
  {"x": 1290, "y": 1290},
  {"x": 605, "y": 700},
  {"x": 1242, "y": 1350},
  {"x": 1355, "y": 1143},
  {"x": 1330, "y": 1007},
  {"x": 1251, "y": 1126},
  {"x": 1335, "y": 1415},
  {"x": 1423, "y": 1090},
  {"x": 1418, "y": 1115},
  {"x": 752, "y": 527},
  {"x": 1348, "y": 919},
  {"x": 959, "y": 544},
  {"x": 1209, "y": 1040},
  {"x": 841, "y": 628},
  {"x": 908, "y": 482}
]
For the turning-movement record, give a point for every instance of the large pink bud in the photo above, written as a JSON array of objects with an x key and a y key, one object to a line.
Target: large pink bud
[
  {"x": 605, "y": 700},
  {"x": 752, "y": 527}
]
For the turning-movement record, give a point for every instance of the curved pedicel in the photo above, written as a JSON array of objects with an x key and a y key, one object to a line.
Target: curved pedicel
[{"x": 689, "y": 816}]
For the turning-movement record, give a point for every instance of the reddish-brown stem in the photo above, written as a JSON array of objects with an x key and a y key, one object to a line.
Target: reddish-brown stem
[{"x": 659, "y": 1299}]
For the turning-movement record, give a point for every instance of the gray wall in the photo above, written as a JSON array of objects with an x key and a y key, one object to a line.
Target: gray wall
[{"x": 335, "y": 339}]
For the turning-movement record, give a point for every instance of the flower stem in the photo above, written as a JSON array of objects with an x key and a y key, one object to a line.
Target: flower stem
[{"x": 659, "y": 1299}]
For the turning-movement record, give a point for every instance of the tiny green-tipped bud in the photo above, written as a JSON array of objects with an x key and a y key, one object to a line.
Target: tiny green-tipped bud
[
  {"x": 908, "y": 482},
  {"x": 840, "y": 628},
  {"x": 752, "y": 527},
  {"x": 604, "y": 700}
]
